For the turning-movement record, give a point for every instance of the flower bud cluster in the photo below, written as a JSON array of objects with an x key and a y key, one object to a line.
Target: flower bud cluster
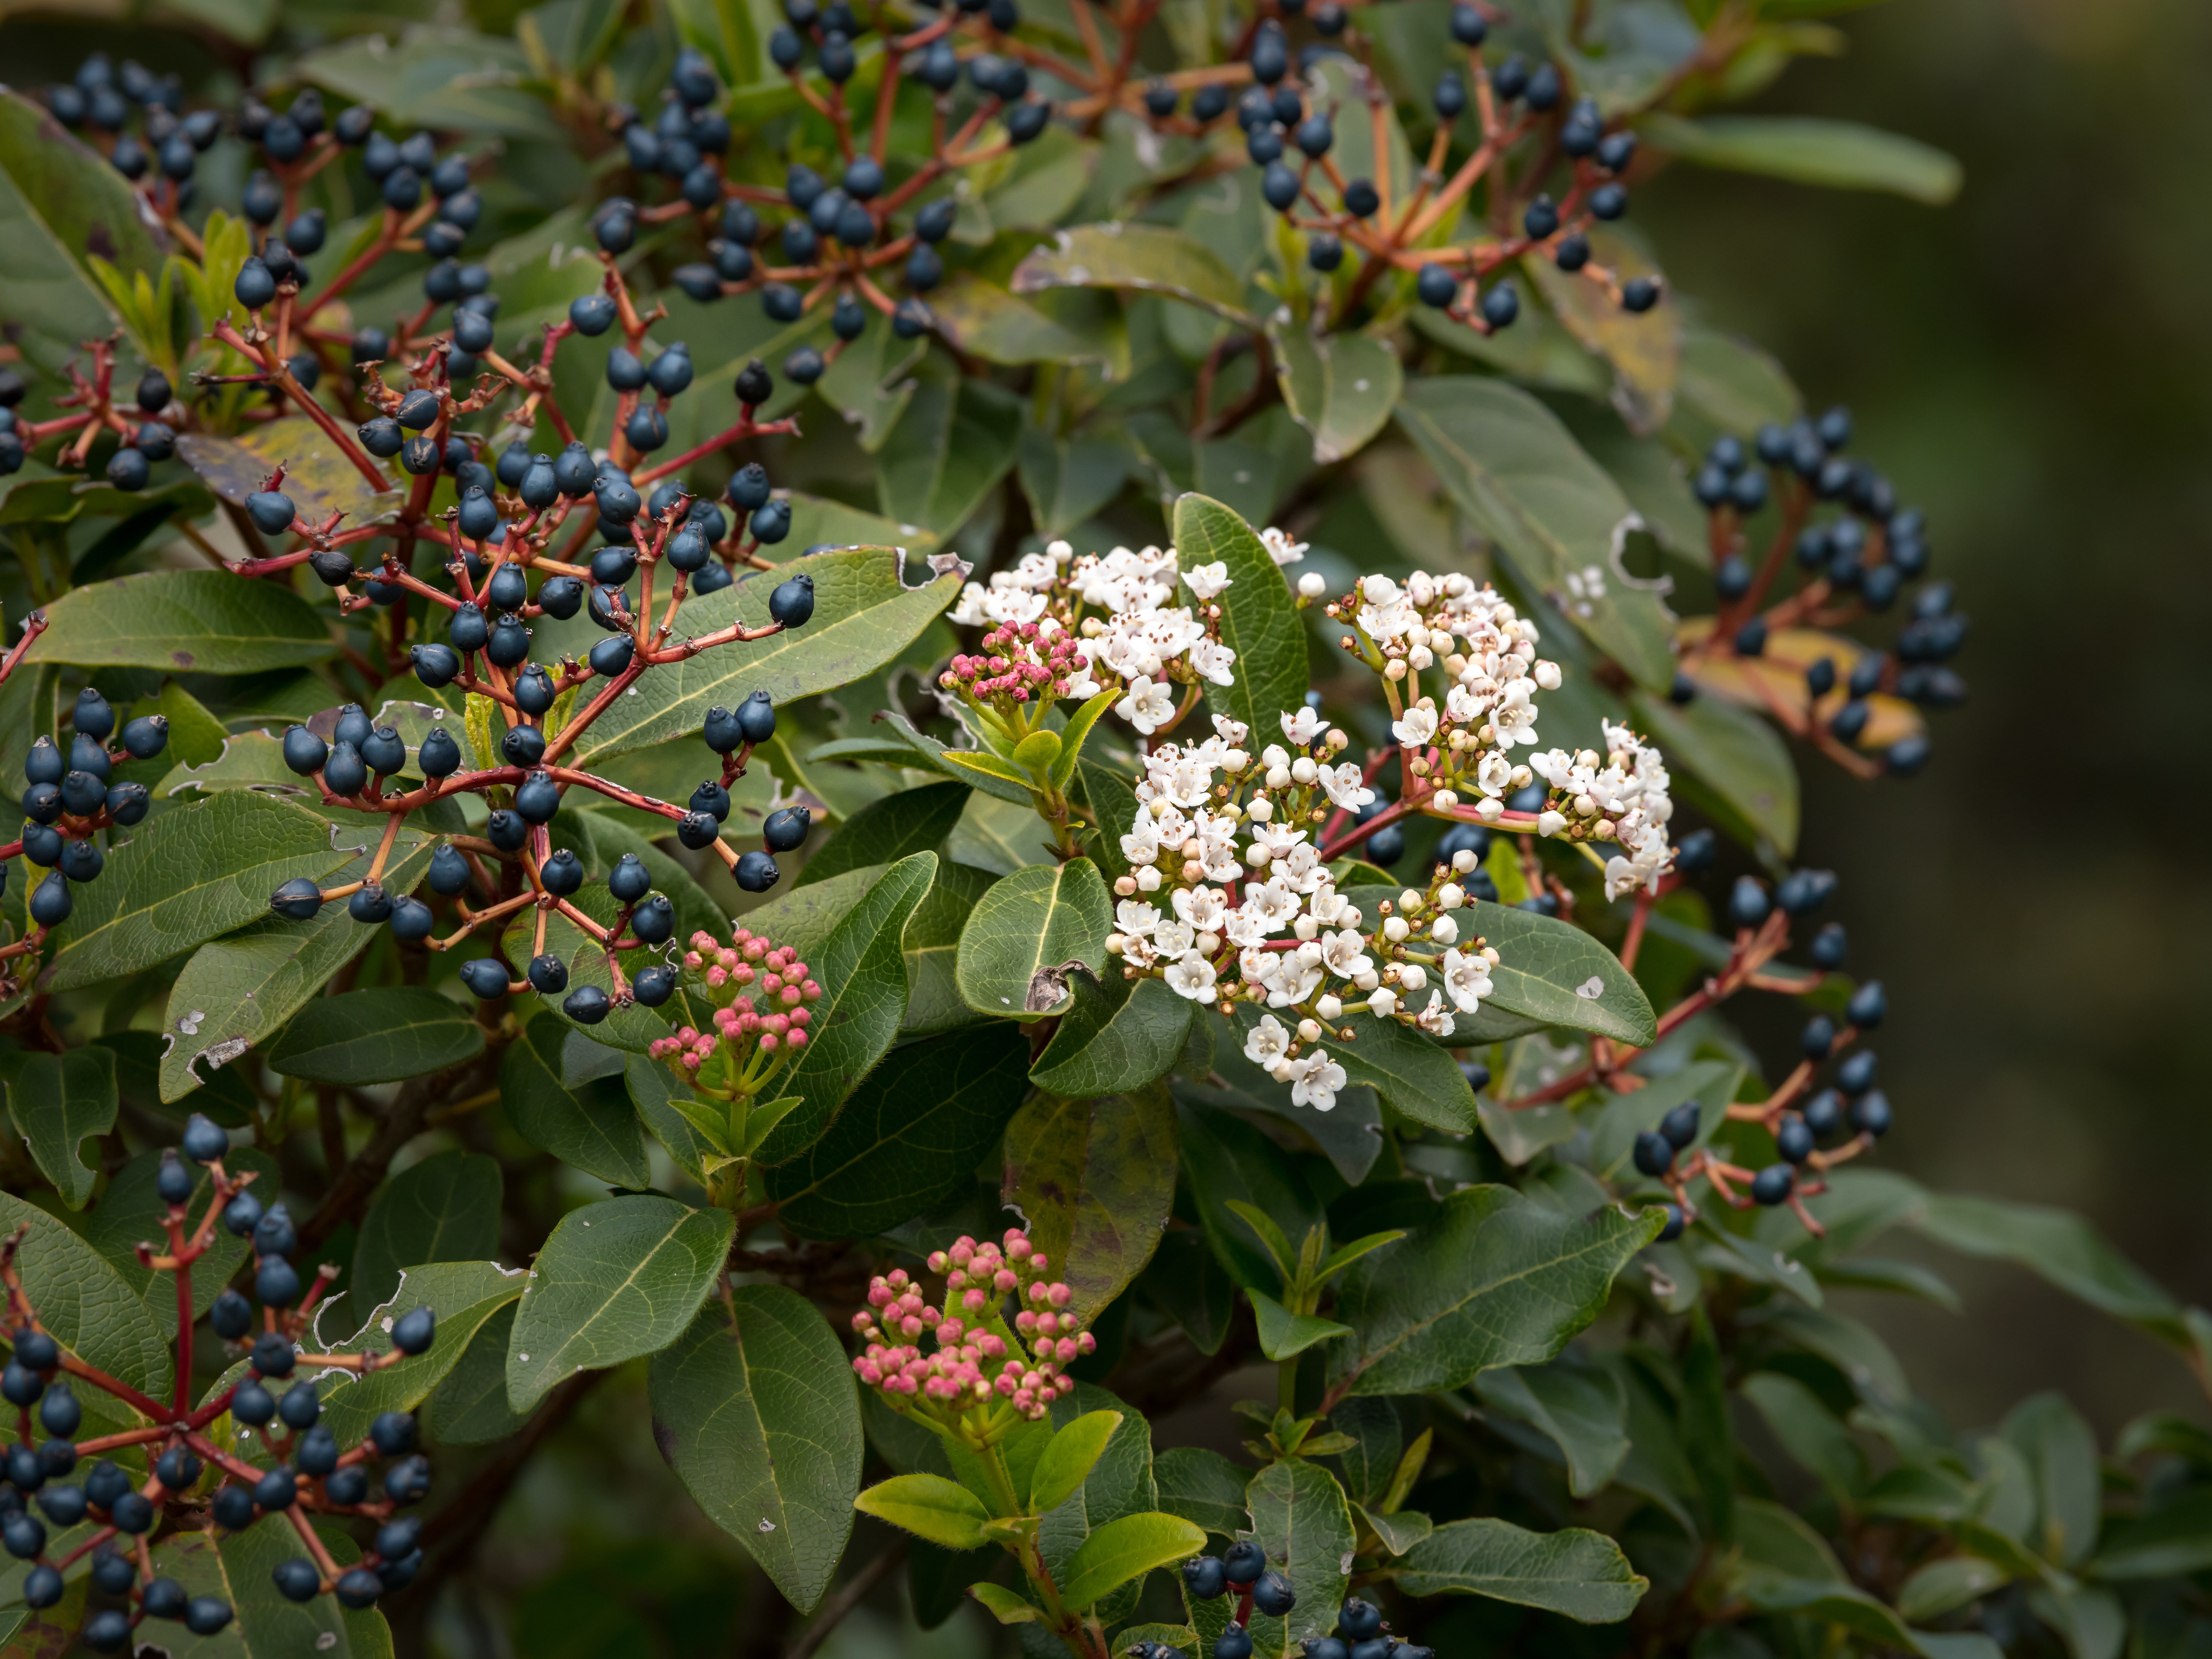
[
  {"x": 1621, "y": 797},
  {"x": 979, "y": 1359},
  {"x": 760, "y": 993},
  {"x": 1020, "y": 663}
]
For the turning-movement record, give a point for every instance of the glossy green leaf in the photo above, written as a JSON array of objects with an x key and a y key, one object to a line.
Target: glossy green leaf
[
  {"x": 1812, "y": 1435},
  {"x": 929, "y": 1506},
  {"x": 1551, "y": 970},
  {"x": 933, "y": 1002},
  {"x": 1808, "y": 150},
  {"x": 1068, "y": 1457},
  {"x": 864, "y": 616},
  {"x": 591, "y": 1126},
  {"x": 1126, "y": 1549},
  {"x": 984, "y": 320},
  {"x": 1068, "y": 480},
  {"x": 1576, "y": 1572},
  {"x": 60, "y": 204},
  {"x": 1582, "y": 1412},
  {"x": 1340, "y": 387},
  {"x": 1496, "y": 1280},
  {"x": 236, "y": 990},
  {"x": 1120, "y": 1034},
  {"x": 1227, "y": 1160},
  {"x": 318, "y": 476},
  {"x": 376, "y": 1036},
  {"x": 1028, "y": 934},
  {"x": 1113, "y": 799},
  {"x": 886, "y": 830},
  {"x": 1377, "y": 1443},
  {"x": 452, "y": 79},
  {"x": 1735, "y": 754},
  {"x": 754, "y": 1408},
  {"x": 1006, "y": 1605},
  {"x": 1301, "y": 1519},
  {"x": 616, "y": 1280},
  {"x": 1093, "y": 1179},
  {"x": 910, "y": 1136},
  {"x": 862, "y": 971},
  {"x": 1515, "y": 470},
  {"x": 871, "y": 381},
  {"x": 444, "y": 1209},
  {"x": 1415, "y": 1074},
  {"x": 1946, "y": 1585},
  {"x": 183, "y": 877},
  {"x": 2062, "y": 1248},
  {"x": 1284, "y": 1334},
  {"x": 2061, "y": 1451},
  {"x": 85, "y": 1303},
  {"x": 1147, "y": 258},
  {"x": 239, "y": 1568},
  {"x": 1711, "y": 1083},
  {"x": 464, "y": 1296},
  {"x": 1203, "y": 1487},
  {"x": 951, "y": 447},
  {"x": 1260, "y": 621},
  {"x": 56, "y": 1103},
  {"x": 469, "y": 1407},
  {"x": 201, "y": 622}
]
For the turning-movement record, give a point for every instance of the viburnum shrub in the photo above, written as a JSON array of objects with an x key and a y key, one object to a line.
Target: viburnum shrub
[{"x": 983, "y": 723}]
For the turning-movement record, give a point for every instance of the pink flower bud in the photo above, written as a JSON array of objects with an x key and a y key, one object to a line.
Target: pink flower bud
[
  {"x": 974, "y": 1300},
  {"x": 1086, "y": 1343},
  {"x": 991, "y": 1347},
  {"x": 1005, "y": 1386},
  {"x": 1005, "y": 1279},
  {"x": 1025, "y": 1322},
  {"x": 800, "y": 1017},
  {"x": 1048, "y": 1323},
  {"x": 1059, "y": 1296},
  {"x": 811, "y": 991},
  {"x": 937, "y": 1261},
  {"x": 717, "y": 977},
  {"x": 767, "y": 1042},
  {"x": 795, "y": 1040},
  {"x": 1066, "y": 1349}
]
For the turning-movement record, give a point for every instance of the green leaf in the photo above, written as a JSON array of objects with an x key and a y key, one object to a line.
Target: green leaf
[
  {"x": 984, "y": 320},
  {"x": 1113, "y": 801},
  {"x": 1576, "y": 1572},
  {"x": 85, "y": 1303},
  {"x": 864, "y": 616},
  {"x": 1027, "y": 934},
  {"x": 1545, "y": 971},
  {"x": 1400, "y": 1531},
  {"x": 1497, "y": 1279},
  {"x": 2063, "y": 1248},
  {"x": 469, "y": 1407},
  {"x": 1340, "y": 387},
  {"x": 1284, "y": 1334},
  {"x": 56, "y": 1102},
  {"x": 616, "y": 1280},
  {"x": 1734, "y": 384},
  {"x": 1301, "y": 1519},
  {"x": 444, "y": 1209},
  {"x": 375, "y": 1037},
  {"x": 1947, "y": 1585},
  {"x": 1377, "y": 1443},
  {"x": 591, "y": 1126},
  {"x": 1812, "y": 1435},
  {"x": 318, "y": 476},
  {"x": 1735, "y": 754},
  {"x": 1259, "y": 619},
  {"x": 1642, "y": 348},
  {"x": 60, "y": 204},
  {"x": 1068, "y": 1457},
  {"x": 1149, "y": 259},
  {"x": 886, "y": 830},
  {"x": 236, "y": 990},
  {"x": 862, "y": 970},
  {"x": 954, "y": 443},
  {"x": 195, "y": 871},
  {"x": 909, "y": 1138},
  {"x": 452, "y": 79},
  {"x": 1068, "y": 480},
  {"x": 1582, "y": 1412},
  {"x": 1517, "y": 472},
  {"x": 1202, "y": 1486},
  {"x": 933, "y": 1002},
  {"x": 2169, "y": 1542},
  {"x": 1095, "y": 1180},
  {"x": 1420, "y": 1080},
  {"x": 929, "y": 1506},
  {"x": 756, "y": 1410},
  {"x": 1125, "y": 1549},
  {"x": 184, "y": 622},
  {"x": 2061, "y": 1449},
  {"x": 1837, "y": 155},
  {"x": 1711, "y": 1083},
  {"x": 1004, "y": 1605},
  {"x": 1120, "y": 1034},
  {"x": 871, "y": 381},
  {"x": 464, "y": 1294}
]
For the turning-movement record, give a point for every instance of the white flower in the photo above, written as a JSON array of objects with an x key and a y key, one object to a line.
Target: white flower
[
  {"x": 1345, "y": 787},
  {"x": 1444, "y": 930},
  {"x": 1203, "y": 907},
  {"x": 1173, "y": 938},
  {"x": 1192, "y": 975},
  {"x": 1232, "y": 732},
  {"x": 1416, "y": 728},
  {"x": 1514, "y": 715},
  {"x": 1138, "y": 953},
  {"x": 1267, "y": 1042},
  {"x": 1206, "y": 580},
  {"x": 1344, "y": 953},
  {"x": 1316, "y": 1080},
  {"x": 1494, "y": 773},
  {"x": 1243, "y": 927},
  {"x": 1549, "y": 823},
  {"x": 1276, "y": 838},
  {"x": 1295, "y": 981},
  {"x": 968, "y": 612},
  {"x": 1436, "y": 1019},
  {"x": 1213, "y": 661},
  {"x": 1135, "y": 916},
  {"x": 1274, "y": 903},
  {"x": 1382, "y": 1001},
  {"x": 1280, "y": 548},
  {"x": 1467, "y": 977},
  {"x": 1140, "y": 846},
  {"x": 1150, "y": 705},
  {"x": 1303, "y": 725}
]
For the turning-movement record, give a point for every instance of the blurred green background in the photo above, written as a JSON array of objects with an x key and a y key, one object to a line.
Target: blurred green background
[{"x": 2030, "y": 362}]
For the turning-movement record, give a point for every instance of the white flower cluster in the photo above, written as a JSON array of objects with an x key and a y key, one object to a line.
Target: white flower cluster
[
  {"x": 1488, "y": 653},
  {"x": 1142, "y": 642},
  {"x": 1621, "y": 797},
  {"x": 1267, "y": 911}
]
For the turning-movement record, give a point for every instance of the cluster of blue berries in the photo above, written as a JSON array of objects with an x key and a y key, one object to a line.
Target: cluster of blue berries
[
  {"x": 1241, "y": 1571},
  {"x": 313, "y": 1473},
  {"x": 71, "y": 796}
]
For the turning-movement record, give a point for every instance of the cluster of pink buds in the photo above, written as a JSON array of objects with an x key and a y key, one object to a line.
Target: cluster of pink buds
[
  {"x": 760, "y": 992},
  {"x": 979, "y": 1360},
  {"x": 1019, "y": 664}
]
